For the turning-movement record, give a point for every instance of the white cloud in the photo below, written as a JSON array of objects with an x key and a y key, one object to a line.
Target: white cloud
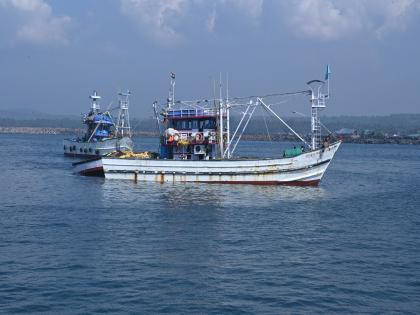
[
  {"x": 163, "y": 19},
  {"x": 397, "y": 14},
  {"x": 321, "y": 18},
  {"x": 252, "y": 8},
  {"x": 158, "y": 16},
  {"x": 36, "y": 22},
  {"x": 211, "y": 21},
  {"x": 334, "y": 19}
]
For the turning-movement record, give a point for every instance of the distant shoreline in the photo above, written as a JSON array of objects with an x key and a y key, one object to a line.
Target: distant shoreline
[
  {"x": 38, "y": 130},
  {"x": 57, "y": 131},
  {"x": 275, "y": 137}
]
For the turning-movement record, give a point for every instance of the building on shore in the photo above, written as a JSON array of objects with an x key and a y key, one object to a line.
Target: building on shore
[{"x": 347, "y": 134}]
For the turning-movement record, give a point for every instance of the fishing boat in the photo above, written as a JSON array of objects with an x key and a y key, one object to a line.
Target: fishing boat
[
  {"x": 196, "y": 145},
  {"x": 103, "y": 135}
]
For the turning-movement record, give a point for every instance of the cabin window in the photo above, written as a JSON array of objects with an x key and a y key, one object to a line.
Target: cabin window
[
  {"x": 176, "y": 124},
  {"x": 183, "y": 124},
  {"x": 195, "y": 124},
  {"x": 188, "y": 124},
  {"x": 81, "y": 150},
  {"x": 209, "y": 124}
]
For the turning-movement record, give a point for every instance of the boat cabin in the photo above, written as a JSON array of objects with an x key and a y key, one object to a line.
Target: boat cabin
[
  {"x": 100, "y": 126},
  {"x": 190, "y": 134}
]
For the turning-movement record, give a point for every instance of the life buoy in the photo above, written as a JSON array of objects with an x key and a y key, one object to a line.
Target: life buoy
[{"x": 199, "y": 138}]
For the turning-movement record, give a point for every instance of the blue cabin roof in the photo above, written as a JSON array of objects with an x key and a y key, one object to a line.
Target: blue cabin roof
[{"x": 103, "y": 119}]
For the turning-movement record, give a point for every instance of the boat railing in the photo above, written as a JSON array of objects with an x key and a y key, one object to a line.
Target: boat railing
[{"x": 178, "y": 113}]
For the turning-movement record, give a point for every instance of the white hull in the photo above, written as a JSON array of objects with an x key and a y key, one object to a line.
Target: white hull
[
  {"x": 305, "y": 169},
  {"x": 92, "y": 149}
]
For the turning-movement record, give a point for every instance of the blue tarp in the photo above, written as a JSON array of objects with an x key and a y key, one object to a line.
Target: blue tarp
[
  {"x": 163, "y": 152},
  {"x": 101, "y": 133},
  {"x": 103, "y": 119}
]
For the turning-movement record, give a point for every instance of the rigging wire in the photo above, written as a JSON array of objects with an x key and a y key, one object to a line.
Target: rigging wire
[
  {"x": 266, "y": 126},
  {"x": 273, "y": 95},
  {"x": 196, "y": 102}
]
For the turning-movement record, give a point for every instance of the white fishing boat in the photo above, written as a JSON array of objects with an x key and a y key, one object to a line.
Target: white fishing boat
[
  {"x": 103, "y": 135},
  {"x": 196, "y": 145},
  {"x": 306, "y": 169}
]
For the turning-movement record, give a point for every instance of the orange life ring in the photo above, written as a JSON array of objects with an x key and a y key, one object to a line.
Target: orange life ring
[{"x": 199, "y": 138}]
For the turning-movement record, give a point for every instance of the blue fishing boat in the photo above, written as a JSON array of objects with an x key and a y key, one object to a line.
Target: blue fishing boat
[{"x": 103, "y": 134}]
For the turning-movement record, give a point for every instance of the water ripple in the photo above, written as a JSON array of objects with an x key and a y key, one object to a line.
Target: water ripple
[{"x": 77, "y": 245}]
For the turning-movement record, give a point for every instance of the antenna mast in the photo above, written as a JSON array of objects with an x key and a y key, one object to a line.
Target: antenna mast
[
  {"x": 220, "y": 117},
  {"x": 317, "y": 102},
  {"x": 123, "y": 122},
  {"x": 227, "y": 117},
  {"x": 171, "y": 98},
  {"x": 95, "y": 101},
  {"x": 327, "y": 78}
]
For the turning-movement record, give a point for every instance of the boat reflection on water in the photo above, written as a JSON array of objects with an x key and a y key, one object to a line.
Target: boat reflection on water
[
  {"x": 197, "y": 231},
  {"x": 193, "y": 196},
  {"x": 188, "y": 228}
]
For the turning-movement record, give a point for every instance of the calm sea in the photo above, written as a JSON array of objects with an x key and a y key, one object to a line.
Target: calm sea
[{"x": 73, "y": 245}]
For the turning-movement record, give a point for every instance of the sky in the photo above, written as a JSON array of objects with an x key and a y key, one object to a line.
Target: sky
[{"x": 55, "y": 53}]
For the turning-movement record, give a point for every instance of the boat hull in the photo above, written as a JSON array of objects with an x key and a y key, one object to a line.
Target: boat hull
[
  {"x": 90, "y": 167},
  {"x": 306, "y": 169},
  {"x": 76, "y": 148}
]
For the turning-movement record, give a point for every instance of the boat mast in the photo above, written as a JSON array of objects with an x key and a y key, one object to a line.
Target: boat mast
[
  {"x": 245, "y": 125},
  {"x": 94, "y": 110},
  {"x": 227, "y": 117},
  {"x": 220, "y": 117},
  {"x": 171, "y": 98},
  {"x": 327, "y": 78},
  {"x": 123, "y": 122},
  {"x": 317, "y": 102},
  {"x": 155, "y": 111},
  {"x": 95, "y": 102}
]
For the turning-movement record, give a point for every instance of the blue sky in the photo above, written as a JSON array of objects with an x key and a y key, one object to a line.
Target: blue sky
[{"x": 54, "y": 53}]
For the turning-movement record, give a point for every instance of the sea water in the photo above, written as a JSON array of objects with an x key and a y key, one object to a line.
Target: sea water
[{"x": 71, "y": 244}]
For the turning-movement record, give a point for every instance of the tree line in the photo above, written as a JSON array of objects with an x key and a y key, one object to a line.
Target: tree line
[{"x": 403, "y": 124}]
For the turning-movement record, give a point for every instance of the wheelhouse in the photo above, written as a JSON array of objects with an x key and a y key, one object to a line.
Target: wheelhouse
[{"x": 190, "y": 134}]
